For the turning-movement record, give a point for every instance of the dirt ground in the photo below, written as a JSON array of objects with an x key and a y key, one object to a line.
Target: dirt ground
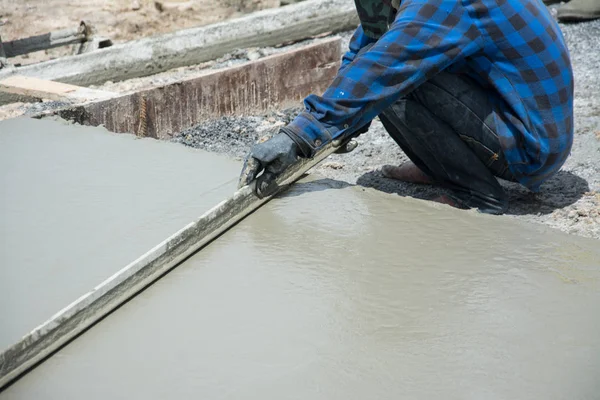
[{"x": 119, "y": 20}]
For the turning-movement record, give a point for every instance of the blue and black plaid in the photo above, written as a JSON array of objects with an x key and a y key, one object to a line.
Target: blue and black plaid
[{"x": 513, "y": 48}]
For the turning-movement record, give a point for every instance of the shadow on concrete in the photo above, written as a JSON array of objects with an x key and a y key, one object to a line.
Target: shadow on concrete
[
  {"x": 560, "y": 191},
  {"x": 376, "y": 180},
  {"x": 317, "y": 185}
]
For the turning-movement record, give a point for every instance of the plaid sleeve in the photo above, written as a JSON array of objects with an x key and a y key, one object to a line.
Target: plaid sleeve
[
  {"x": 426, "y": 37},
  {"x": 357, "y": 42}
]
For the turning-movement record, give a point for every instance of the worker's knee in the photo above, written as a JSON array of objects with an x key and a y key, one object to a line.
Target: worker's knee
[{"x": 405, "y": 112}]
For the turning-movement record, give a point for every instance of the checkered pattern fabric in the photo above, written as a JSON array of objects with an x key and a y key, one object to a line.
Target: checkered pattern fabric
[{"x": 513, "y": 48}]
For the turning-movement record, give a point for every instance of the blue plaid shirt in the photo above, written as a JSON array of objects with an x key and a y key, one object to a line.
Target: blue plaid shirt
[{"x": 512, "y": 47}]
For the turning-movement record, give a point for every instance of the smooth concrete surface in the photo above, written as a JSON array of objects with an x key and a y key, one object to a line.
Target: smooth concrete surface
[
  {"x": 77, "y": 204},
  {"x": 336, "y": 292}
]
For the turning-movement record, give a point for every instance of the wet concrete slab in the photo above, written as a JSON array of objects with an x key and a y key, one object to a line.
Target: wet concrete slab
[
  {"x": 336, "y": 292},
  {"x": 77, "y": 204}
]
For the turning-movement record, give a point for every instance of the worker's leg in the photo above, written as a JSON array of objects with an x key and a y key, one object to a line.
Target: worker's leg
[{"x": 446, "y": 128}]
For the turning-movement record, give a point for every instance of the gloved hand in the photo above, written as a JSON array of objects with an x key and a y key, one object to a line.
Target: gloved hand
[
  {"x": 272, "y": 157},
  {"x": 345, "y": 146},
  {"x": 348, "y": 144},
  {"x": 275, "y": 155}
]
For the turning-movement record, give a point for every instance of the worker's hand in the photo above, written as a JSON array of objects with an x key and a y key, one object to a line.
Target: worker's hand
[
  {"x": 348, "y": 144},
  {"x": 345, "y": 146},
  {"x": 272, "y": 157}
]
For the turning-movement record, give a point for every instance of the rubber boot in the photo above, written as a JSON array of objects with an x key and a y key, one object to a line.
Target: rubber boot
[{"x": 579, "y": 10}]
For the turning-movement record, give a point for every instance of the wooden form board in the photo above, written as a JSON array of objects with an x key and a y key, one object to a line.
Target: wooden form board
[
  {"x": 277, "y": 81},
  {"x": 43, "y": 89}
]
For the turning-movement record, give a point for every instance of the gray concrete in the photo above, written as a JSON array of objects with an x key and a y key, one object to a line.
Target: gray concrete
[
  {"x": 79, "y": 203},
  {"x": 336, "y": 292},
  {"x": 191, "y": 46},
  {"x": 147, "y": 268}
]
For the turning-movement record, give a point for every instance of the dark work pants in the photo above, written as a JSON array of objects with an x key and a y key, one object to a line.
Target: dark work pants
[{"x": 445, "y": 127}]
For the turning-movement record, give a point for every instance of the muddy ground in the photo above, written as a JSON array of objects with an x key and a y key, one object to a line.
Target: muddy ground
[{"x": 570, "y": 201}]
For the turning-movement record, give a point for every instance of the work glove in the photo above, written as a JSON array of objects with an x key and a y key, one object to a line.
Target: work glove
[
  {"x": 345, "y": 145},
  {"x": 272, "y": 157}
]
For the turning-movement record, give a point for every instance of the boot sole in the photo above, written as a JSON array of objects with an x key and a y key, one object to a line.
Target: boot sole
[{"x": 574, "y": 17}]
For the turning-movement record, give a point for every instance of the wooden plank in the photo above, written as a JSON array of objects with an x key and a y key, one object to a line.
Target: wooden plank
[
  {"x": 43, "y": 89},
  {"x": 277, "y": 81},
  {"x": 126, "y": 283},
  {"x": 196, "y": 45}
]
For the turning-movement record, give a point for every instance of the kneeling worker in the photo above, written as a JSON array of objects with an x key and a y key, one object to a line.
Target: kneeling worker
[{"x": 470, "y": 90}]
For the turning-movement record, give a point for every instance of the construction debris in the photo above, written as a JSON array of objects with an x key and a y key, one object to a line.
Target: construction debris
[{"x": 152, "y": 55}]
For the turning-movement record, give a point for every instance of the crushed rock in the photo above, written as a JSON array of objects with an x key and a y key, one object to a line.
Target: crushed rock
[{"x": 235, "y": 135}]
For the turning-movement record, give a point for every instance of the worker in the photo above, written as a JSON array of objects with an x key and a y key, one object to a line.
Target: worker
[
  {"x": 577, "y": 10},
  {"x": 470, "y": 90}
]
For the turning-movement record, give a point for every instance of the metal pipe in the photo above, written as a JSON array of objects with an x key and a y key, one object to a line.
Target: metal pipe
[{"x": 48, "y": 40}]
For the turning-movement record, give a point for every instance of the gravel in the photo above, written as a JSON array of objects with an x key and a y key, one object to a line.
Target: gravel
[
  {"x": 569, "y": 201},
  {"x": 234, "y": 135}
]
